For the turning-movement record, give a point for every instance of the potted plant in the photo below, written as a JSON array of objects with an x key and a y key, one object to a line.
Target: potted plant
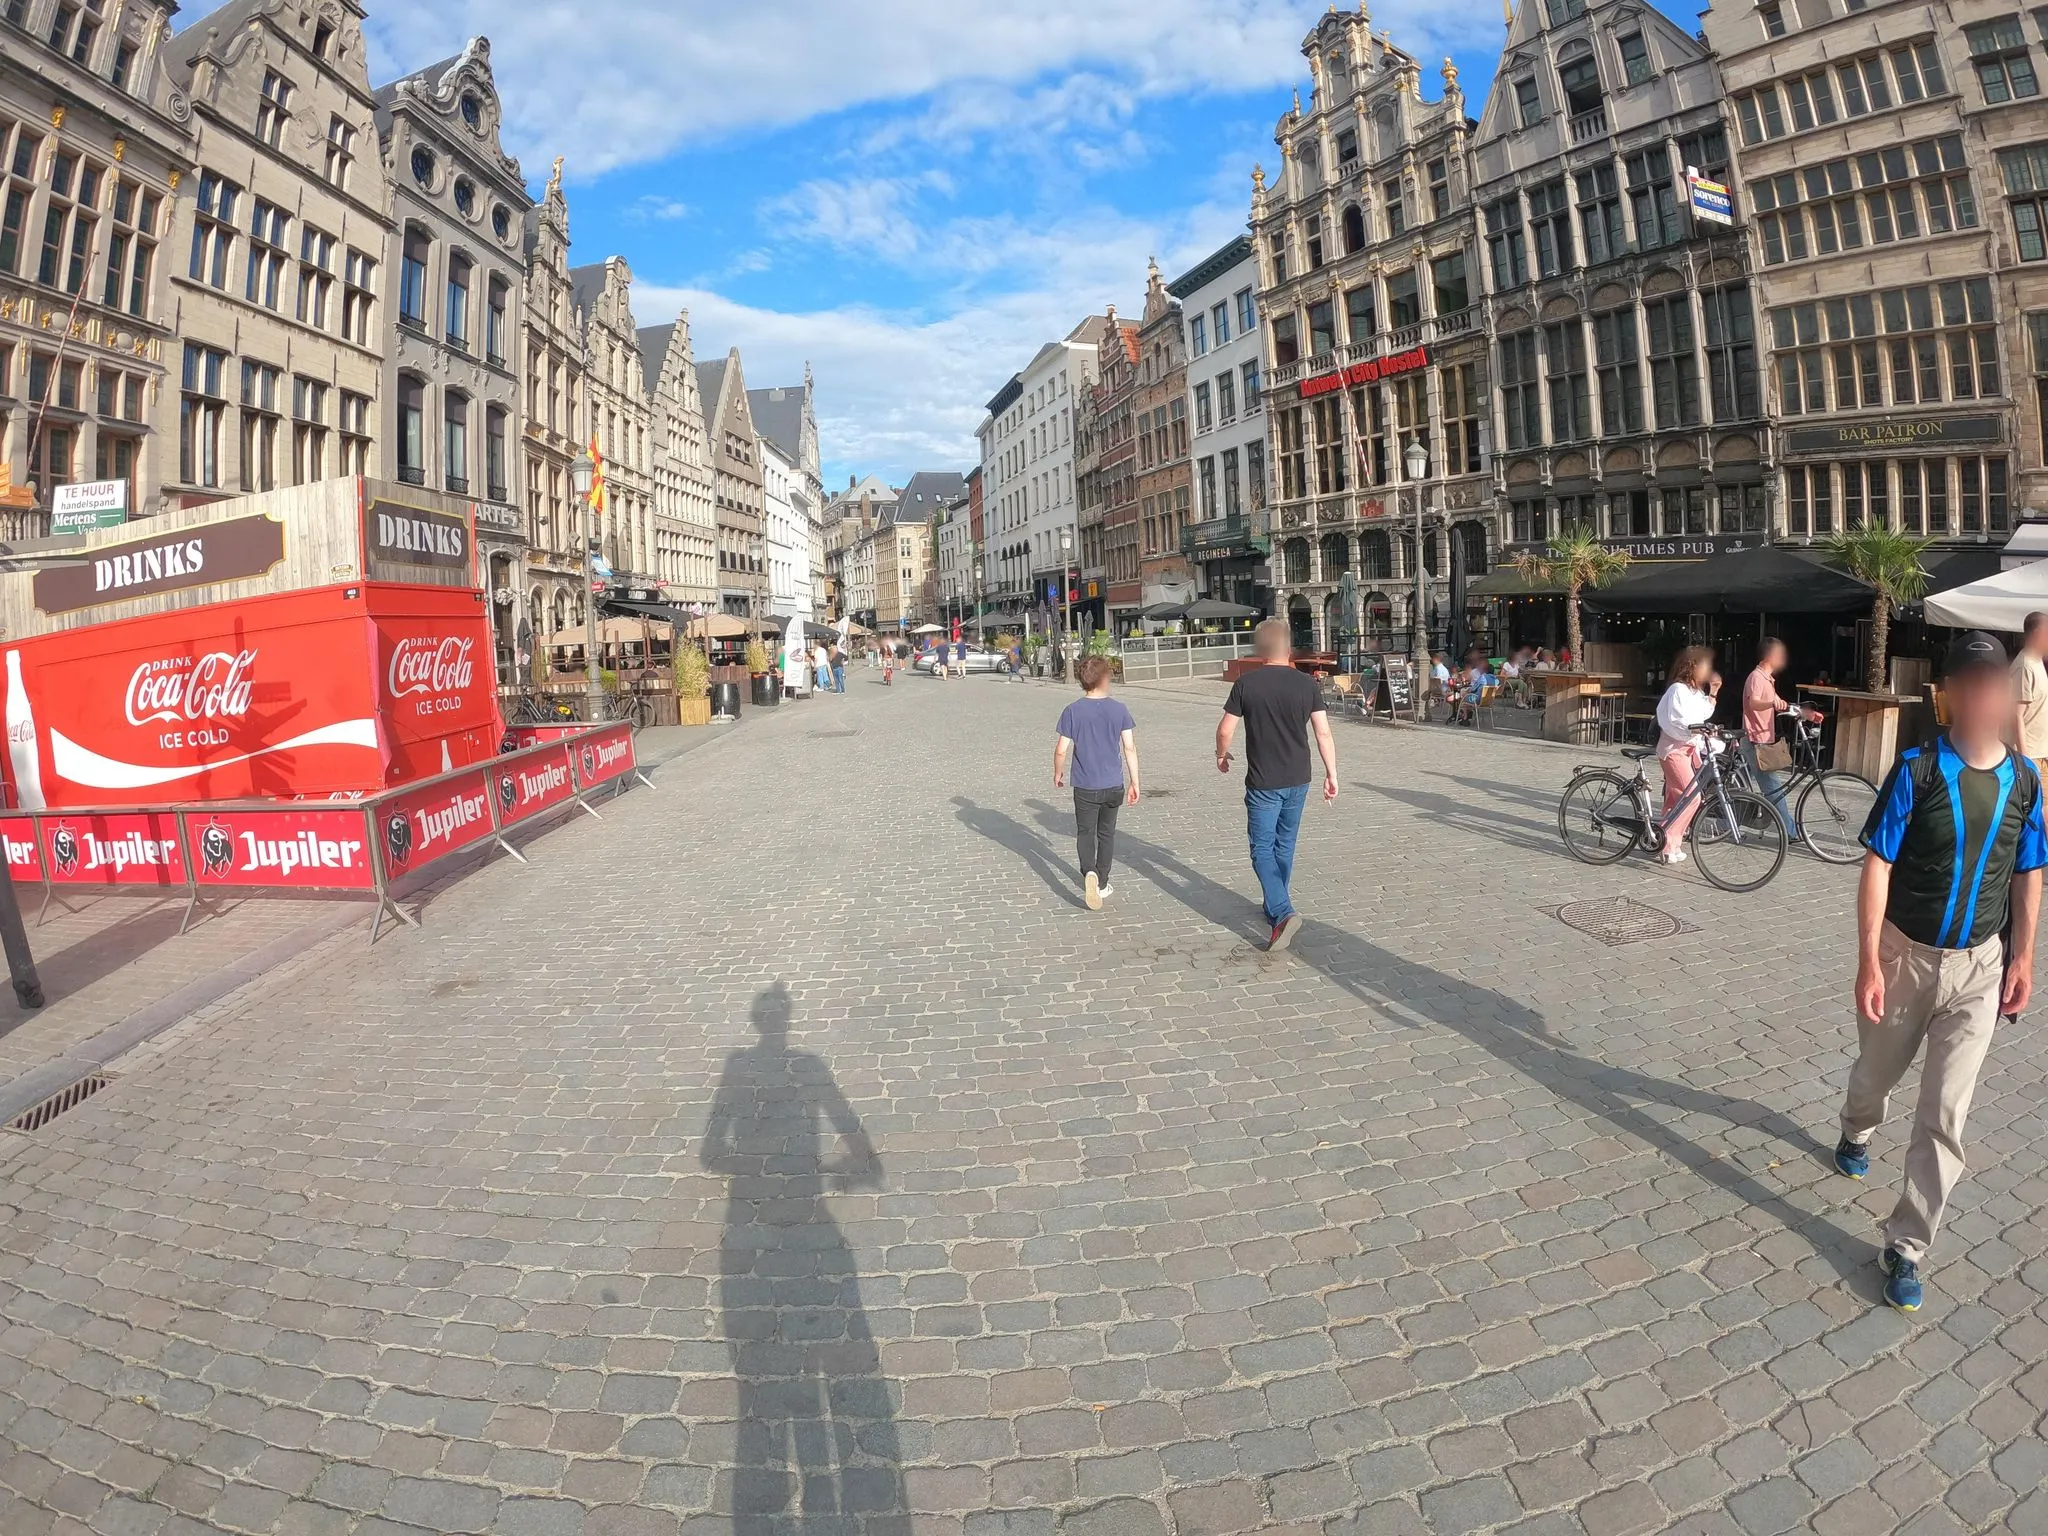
[
  {"x": 764, "y": 689},
  {"x": 1890, "y": 562},
  {"x": 1575, "y": 560},
  {"x": 693, "y": 686}
]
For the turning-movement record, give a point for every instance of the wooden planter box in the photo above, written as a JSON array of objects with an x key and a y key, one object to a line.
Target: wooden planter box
[{"x": 694, "y": 711}]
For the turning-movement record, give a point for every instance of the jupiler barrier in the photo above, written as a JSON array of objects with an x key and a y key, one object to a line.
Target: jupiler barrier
[{"x": 327, "y": 847}]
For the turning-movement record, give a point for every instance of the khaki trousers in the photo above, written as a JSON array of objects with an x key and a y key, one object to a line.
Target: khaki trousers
[{"x": 1949, "y": 999}]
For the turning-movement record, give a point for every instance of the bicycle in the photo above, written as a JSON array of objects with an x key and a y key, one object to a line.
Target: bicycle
[
  {"x": 1833, "y": 807},
  {"x": 1736, "y": 837},
  {"x": 541, "y": 709},
  {"x": 627, "y": 706}
]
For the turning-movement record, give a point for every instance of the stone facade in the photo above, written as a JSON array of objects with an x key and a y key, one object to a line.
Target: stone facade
[
  {"x": 1890, "y": 171},
  {"x": 620, "y": 414},
  {"x": 1116, "y": 471},
  {"x": 451, "y": 402},
  {"x": 736, "y": 483},
  {"x": 1165, "y": 480},
  {"x": 1090, "y": 606},
  {"x": 553, "y": 430},
  {"x": 1227, "y": 545},
  {"x": 1627, "y": 397},
  {"x": 847, "y": 516},
  {"x": 1002, "y": 481},
  {"x": 95, "y": 133},
  {"x": 685, "y": 532},
  {"x": 1374, "y": 332},
  {"x": 277, "y": 242}
]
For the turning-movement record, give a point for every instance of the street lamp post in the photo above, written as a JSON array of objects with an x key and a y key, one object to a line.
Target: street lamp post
[
  {"x": 1067, "y": 595},
  {"x": 582, "y": 474},
  {"x": 1417, "y": 460},
  {"x": 980, "y": 622}
]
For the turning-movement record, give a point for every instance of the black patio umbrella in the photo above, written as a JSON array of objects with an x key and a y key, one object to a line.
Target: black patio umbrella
[
  {"x": 1766, "y": 579},
  {"x": 1164, "y": 611},
  {"x": 1459, "y": 638},
  {"x": 1203, "y": 608}
]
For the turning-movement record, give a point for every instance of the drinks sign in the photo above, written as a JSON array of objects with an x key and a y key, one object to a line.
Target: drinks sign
[
  {"x": 406, "y": 535},
  {"x": 199, "y": 556}
]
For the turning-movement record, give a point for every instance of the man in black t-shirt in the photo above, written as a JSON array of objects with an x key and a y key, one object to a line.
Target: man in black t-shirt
[{"x": 1279, "y": 707}]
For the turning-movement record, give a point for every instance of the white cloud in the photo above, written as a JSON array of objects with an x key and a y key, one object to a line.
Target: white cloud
[
  {"x": 901, "y": 391},
  {"x": 626, "y": 81},
  {"x": 654, "y": 208}
]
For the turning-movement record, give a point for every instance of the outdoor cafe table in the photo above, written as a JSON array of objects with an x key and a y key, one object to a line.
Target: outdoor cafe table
[
  {"x": 1866, "y": 728},
  {"x": 1566, "y": 716}
]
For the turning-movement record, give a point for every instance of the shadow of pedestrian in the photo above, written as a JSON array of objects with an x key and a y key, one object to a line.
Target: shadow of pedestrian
[
  {"x": 1413, "y": 995},
  {"x": 816, "y": 1447},
  {"x": 1489, "y": 821},
  {"x": 1027, "y": 843}
]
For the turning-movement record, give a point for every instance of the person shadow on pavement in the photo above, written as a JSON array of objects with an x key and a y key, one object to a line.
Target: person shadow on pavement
[
  {"x": 1413, "y": 995},
  {"x": 816, "y": 1447},
  {"x": 1027, "y": 843}
]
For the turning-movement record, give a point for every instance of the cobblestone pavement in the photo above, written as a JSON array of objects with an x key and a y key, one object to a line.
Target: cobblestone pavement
[{"x": 792, "y": 1152}]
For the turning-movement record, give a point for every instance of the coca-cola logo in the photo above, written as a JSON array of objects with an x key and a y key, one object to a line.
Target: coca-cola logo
[
  {"x": 215, "y": 686},
  {"x": 431, "y": 665},
  {"x": 216, "y": 848}
]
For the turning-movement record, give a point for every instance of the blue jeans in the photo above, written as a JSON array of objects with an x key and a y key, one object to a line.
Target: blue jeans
[
  {"x": 839, "y": 677},
  {"x": 1772, "y": 785},
  {"x": 1273, "y": 820}
]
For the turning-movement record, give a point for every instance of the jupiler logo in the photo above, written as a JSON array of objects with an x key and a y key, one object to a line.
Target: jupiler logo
[
  {"x": 508, "y": 794},
  {"x": 64, "y": 848},
  {"x": 215, "y": 686},
  {"x": 430, "y": 666},
  {"x": 216, "y": 848},
  {"x": 398, "y": 839}
]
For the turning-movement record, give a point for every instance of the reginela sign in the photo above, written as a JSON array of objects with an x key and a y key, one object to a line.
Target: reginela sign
[
  {"x": 1893, "y": 432},
  {"x": 1366, "y": 373}
]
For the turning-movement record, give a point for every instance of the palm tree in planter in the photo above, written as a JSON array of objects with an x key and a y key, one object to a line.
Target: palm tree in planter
[
  {"x": 1890, "y": 562},
  {"x": 1575, "y": 560}
]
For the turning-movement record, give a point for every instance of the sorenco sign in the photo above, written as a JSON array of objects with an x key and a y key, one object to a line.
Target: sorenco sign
[{"x": 1366, "y": 373}]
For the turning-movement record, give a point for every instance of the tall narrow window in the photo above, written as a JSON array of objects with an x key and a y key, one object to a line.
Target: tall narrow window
[
  {"x": 1674, "y": 370},
  {"x": 274, "y": 109},
  {"x": 309, "y": 431},
  {"x": 267, "y": 232},
  {"x": 213, "y": 229},
  {"x": 1652, "y": 202},
  {"x": 495, "y": 325},
  {"x": 1550, "y": 228},
  {"x": 1635, "y": 58},
  {"x": 1600, "y": 224},
  {"x": 1731, "y": 352},
  {"x": 412, "y": 281},
  {"x": 131, "y": 248},
  {"x": 1571, "y": 411},
  {"x": 202, "y": 403},
  {"x": 412, "y": 430},
  {"x": 1404, "y": 301},
  {"x": 495, "y": 454},
  {"x": 455, "y": 443},
  {"x": 341, "y": 153},
  {"x": 1450, "y": 290},
  {"x": 458, "y": 302},
  {"x": 1616, "y": 355},
  {"x": 316, "y": 276},
  {"x": 1358, "y": 314},
  {"x": 1521, "y": 402},
  {"x": 358, "y": 279},
  {"x": 261, "y": 426}
]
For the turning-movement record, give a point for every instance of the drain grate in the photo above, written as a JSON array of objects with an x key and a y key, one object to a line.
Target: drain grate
[
  {"x": 1620, "y": 921},
  {"x": 68, "y": 1098}
]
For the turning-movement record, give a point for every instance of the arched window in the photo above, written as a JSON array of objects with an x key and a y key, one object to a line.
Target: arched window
[
  {"x": 1376, "y": 556},
  {"x": 412, "y": 278},
  {"x": 1297, "y": 561},
  {"x": 458, "y": 301},
  {"x": 455, "y": 442},
  {"x": 412, "y": 429},
  {"x": 1354, "y": 230}
]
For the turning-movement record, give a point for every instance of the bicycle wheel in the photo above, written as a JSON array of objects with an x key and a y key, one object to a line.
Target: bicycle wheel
[
  {"x": 1597, "y": 817},
  {"x": 1739, "y": 846},
  {"x": 1832, "y": 812}
]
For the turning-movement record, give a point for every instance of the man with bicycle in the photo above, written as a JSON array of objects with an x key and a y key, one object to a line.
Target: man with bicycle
[
  {"x": 1945, "y": 922},
  {"x": 1761, "y": 707}
]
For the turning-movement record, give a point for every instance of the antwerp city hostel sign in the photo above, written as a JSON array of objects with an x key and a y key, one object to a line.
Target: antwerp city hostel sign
[{"x": 1366, "y": 373}]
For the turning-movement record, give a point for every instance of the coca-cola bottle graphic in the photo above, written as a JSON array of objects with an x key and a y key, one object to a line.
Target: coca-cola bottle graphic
[{"x": 22, "y": 748}]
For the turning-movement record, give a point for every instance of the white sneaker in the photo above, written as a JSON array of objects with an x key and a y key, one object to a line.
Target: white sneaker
[
  {"x": 1091, "y": 892},
  {"x": 1103, "y": 893},
  {"x": 1675, "y": 856}
]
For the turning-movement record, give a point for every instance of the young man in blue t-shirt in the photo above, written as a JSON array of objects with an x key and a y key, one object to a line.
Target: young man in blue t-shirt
[
  {"x": 1101, "y": 738},
  {"x": 1945, "y": 925}
]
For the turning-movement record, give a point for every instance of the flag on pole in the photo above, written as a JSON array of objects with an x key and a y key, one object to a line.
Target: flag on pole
[{"x": 598, "y": 495}]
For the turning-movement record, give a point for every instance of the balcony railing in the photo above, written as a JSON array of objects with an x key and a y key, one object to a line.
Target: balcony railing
[
  {"x": 458, "y": 484},
  {"x": 1589, "y": 125},
  {"x": 497, "y": 493},
  {"x": 412, "y": 474},
  {"x": 459, "y": 342}
]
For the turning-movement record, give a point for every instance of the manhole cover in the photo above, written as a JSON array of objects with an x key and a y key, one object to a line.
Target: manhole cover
[{"x": 1619, "y": 921}]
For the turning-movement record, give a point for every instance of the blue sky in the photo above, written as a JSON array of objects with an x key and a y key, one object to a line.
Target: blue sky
[{"x": 911, "y": 195}]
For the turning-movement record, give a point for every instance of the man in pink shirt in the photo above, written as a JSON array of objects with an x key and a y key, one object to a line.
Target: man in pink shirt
[{"x": 1761, "y": 707}]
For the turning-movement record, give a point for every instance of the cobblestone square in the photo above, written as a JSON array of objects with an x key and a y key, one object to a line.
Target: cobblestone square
[{"x": 792, "y": 1151}]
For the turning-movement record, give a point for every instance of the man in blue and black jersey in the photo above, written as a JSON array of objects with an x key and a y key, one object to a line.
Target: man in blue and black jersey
[{"x": 1945, "y": 922}]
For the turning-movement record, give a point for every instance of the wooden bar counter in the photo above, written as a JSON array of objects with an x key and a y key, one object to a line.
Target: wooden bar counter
[{"x": 1866, "y": 728}]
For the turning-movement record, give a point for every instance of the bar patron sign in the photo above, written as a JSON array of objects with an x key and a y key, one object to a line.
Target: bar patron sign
[
  {"x": 1366, "y": 373},
  {"x": 1891, "y": 432}
]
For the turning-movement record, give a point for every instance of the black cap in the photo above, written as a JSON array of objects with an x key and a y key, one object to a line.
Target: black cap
[{"x": 1973, "y": 649}]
